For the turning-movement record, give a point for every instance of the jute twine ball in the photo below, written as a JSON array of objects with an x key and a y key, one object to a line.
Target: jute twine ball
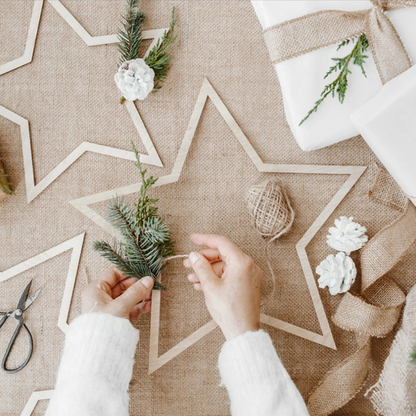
[{"x": 270, "y": 209}]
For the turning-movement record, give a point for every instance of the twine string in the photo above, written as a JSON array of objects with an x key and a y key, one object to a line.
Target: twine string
[{"x": 272, "y": 216}]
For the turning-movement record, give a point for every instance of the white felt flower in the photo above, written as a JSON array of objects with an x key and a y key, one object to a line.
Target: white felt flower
[
  {"x": 347, "y": 235},
  {"x": 135, "y": 79},
  {"x": 337, "y": 272}
]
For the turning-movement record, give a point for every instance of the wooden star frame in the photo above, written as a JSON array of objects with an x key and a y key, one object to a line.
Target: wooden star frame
[
  {"x": 27, "y": 56},
  {"x": 353, "y": 172},
  {"x": 75, "y": 244},
  {"x": 34, "y": 398},
  {"x": 32, "y": 189}
]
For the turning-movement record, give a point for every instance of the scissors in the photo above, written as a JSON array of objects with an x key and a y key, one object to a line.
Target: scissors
[{"x": 24, "y": 302}]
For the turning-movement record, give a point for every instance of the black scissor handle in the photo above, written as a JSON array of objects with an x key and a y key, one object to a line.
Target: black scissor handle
[
  {"x": 10, "y": 347},
  {"x": 3, "y": 320}
]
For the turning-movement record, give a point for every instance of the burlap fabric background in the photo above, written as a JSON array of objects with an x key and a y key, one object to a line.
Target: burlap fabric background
[{"x": 68, "y": 95}]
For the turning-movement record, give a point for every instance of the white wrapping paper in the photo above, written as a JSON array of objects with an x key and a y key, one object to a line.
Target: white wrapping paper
[
  {"x": 388, "y": 124},
  {"x": 301, "y": 78}
]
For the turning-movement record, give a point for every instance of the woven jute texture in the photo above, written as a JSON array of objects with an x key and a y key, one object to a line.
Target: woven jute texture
[
  {"x": 68, "y": 95},
  {"x": 393, "y": 393}
]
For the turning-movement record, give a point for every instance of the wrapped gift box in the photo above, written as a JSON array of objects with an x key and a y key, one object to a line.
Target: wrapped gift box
[
  {"x": 388, "y": 124},
  {"x": 301, "y": 78}
]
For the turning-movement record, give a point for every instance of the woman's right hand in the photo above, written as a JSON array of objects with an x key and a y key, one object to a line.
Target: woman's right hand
[{"x": 231, "y": 283}]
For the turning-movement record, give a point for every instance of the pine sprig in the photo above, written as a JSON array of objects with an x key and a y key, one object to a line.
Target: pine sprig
[
  {"x": 340, "y": 84},
  {"x": 159, "y": 59},
  {"x": 146, "y": 240},
  {"x": 5, "y": 184},
  {"x": 130, "y": 39}
]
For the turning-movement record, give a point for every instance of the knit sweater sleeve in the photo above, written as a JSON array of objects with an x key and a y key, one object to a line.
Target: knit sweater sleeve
[
  {"x": 257, "y": 382},
  {"x": 96, "y": 367}
]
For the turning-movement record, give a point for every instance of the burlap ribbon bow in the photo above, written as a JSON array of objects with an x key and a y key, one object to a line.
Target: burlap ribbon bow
[{"x": 328, "y": 27}]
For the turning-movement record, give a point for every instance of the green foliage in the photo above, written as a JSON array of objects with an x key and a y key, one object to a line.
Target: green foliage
[
  {"x": 159, "y": 59},
  {"x": 146, "y": 239},
  {"x": 413, "y": 356},
  {"x": 340, "y": 84},
  {"x": 5, "y": 184},
  {"x": 130, "y": 39}
]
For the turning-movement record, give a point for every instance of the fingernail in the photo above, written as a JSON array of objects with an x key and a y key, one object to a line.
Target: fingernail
[
  {"x": 147, "y": 282},
  {"x": 193, "y": 257}
]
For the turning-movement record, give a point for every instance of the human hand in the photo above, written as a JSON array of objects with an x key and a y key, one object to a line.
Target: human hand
[
  {"x": 231, "y": 283},
  {"x": 118, "y": 295}
]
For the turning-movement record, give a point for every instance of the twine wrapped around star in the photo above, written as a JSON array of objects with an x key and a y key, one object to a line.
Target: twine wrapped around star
[{"x": 272, "y": 214}]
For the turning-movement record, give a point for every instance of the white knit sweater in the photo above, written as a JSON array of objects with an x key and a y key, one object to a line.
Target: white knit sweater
[{"x": 97, "y": 364}]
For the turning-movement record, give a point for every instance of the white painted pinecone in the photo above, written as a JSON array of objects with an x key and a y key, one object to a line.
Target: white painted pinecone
[
  {"x": 337, "y": 272},
  {"x": 135, "y": 79},
  {"x": 347, "y": 235}
]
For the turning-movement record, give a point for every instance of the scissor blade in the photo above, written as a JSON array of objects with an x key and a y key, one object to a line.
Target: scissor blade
[
  {"x": 22, "y": 301},
  {"x": 32, "y": 298}
]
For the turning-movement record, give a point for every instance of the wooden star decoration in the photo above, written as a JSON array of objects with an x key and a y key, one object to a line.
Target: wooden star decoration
[
  {"x": 32, "y": 189},
  {"x": 353, "y": 172},
  {"x": 75, "y": 244}
]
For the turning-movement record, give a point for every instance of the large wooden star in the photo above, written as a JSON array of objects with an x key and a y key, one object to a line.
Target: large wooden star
[
  {"x": 32, "y": 189},
  {"x": 353, "y": 172}
]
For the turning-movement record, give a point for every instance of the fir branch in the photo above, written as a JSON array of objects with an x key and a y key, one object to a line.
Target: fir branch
[
  {"x": 5, "y": 184},
  {"x": 159, "y": 59},
  {"x": 130, "y": 37},
  {"x": 146, "y": 240},
  {"x": 340, "y": 84}
]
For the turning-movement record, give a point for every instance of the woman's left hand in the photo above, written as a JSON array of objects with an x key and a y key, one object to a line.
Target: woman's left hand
[{"x": 118, "y": 295}]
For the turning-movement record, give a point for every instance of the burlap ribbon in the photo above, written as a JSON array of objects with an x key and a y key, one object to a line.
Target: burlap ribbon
[
  {"x": 372, "y": 313},
  {"x": 328, "y": 27}
]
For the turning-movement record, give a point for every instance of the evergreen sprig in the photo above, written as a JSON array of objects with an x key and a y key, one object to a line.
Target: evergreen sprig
[
  {"x": 413, "y": 356},
  {"x": 5, "y": 184},
  {"x": 159, "y": 59},
  {"x": 146, "y": 240},
  {"x": 340, "y": 84},
  {"x": 130, "y": 41},
  {"x": 130, "y": 38}
]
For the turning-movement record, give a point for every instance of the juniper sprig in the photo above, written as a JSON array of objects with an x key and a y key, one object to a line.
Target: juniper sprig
[
  {"x": 342, "y": 65},
  {"x": 159, "y": 59}
]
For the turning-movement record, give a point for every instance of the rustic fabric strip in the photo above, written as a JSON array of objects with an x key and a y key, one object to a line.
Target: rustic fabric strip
[
  {"x": 394, "y": 393},
  {"x": 355, "y": 314},
  {"x": 389, "y": 53},
  {"x": 383, "y": 252},
  {"x": 304, "y": 34},
  {"x": 334, "y": 391},
  {"x": 386, "y": 191}
]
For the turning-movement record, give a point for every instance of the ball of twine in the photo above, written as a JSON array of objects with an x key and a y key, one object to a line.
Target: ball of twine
[
  {"x": 272, "y": 213},
  {"x": 270, "y": 209}
]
